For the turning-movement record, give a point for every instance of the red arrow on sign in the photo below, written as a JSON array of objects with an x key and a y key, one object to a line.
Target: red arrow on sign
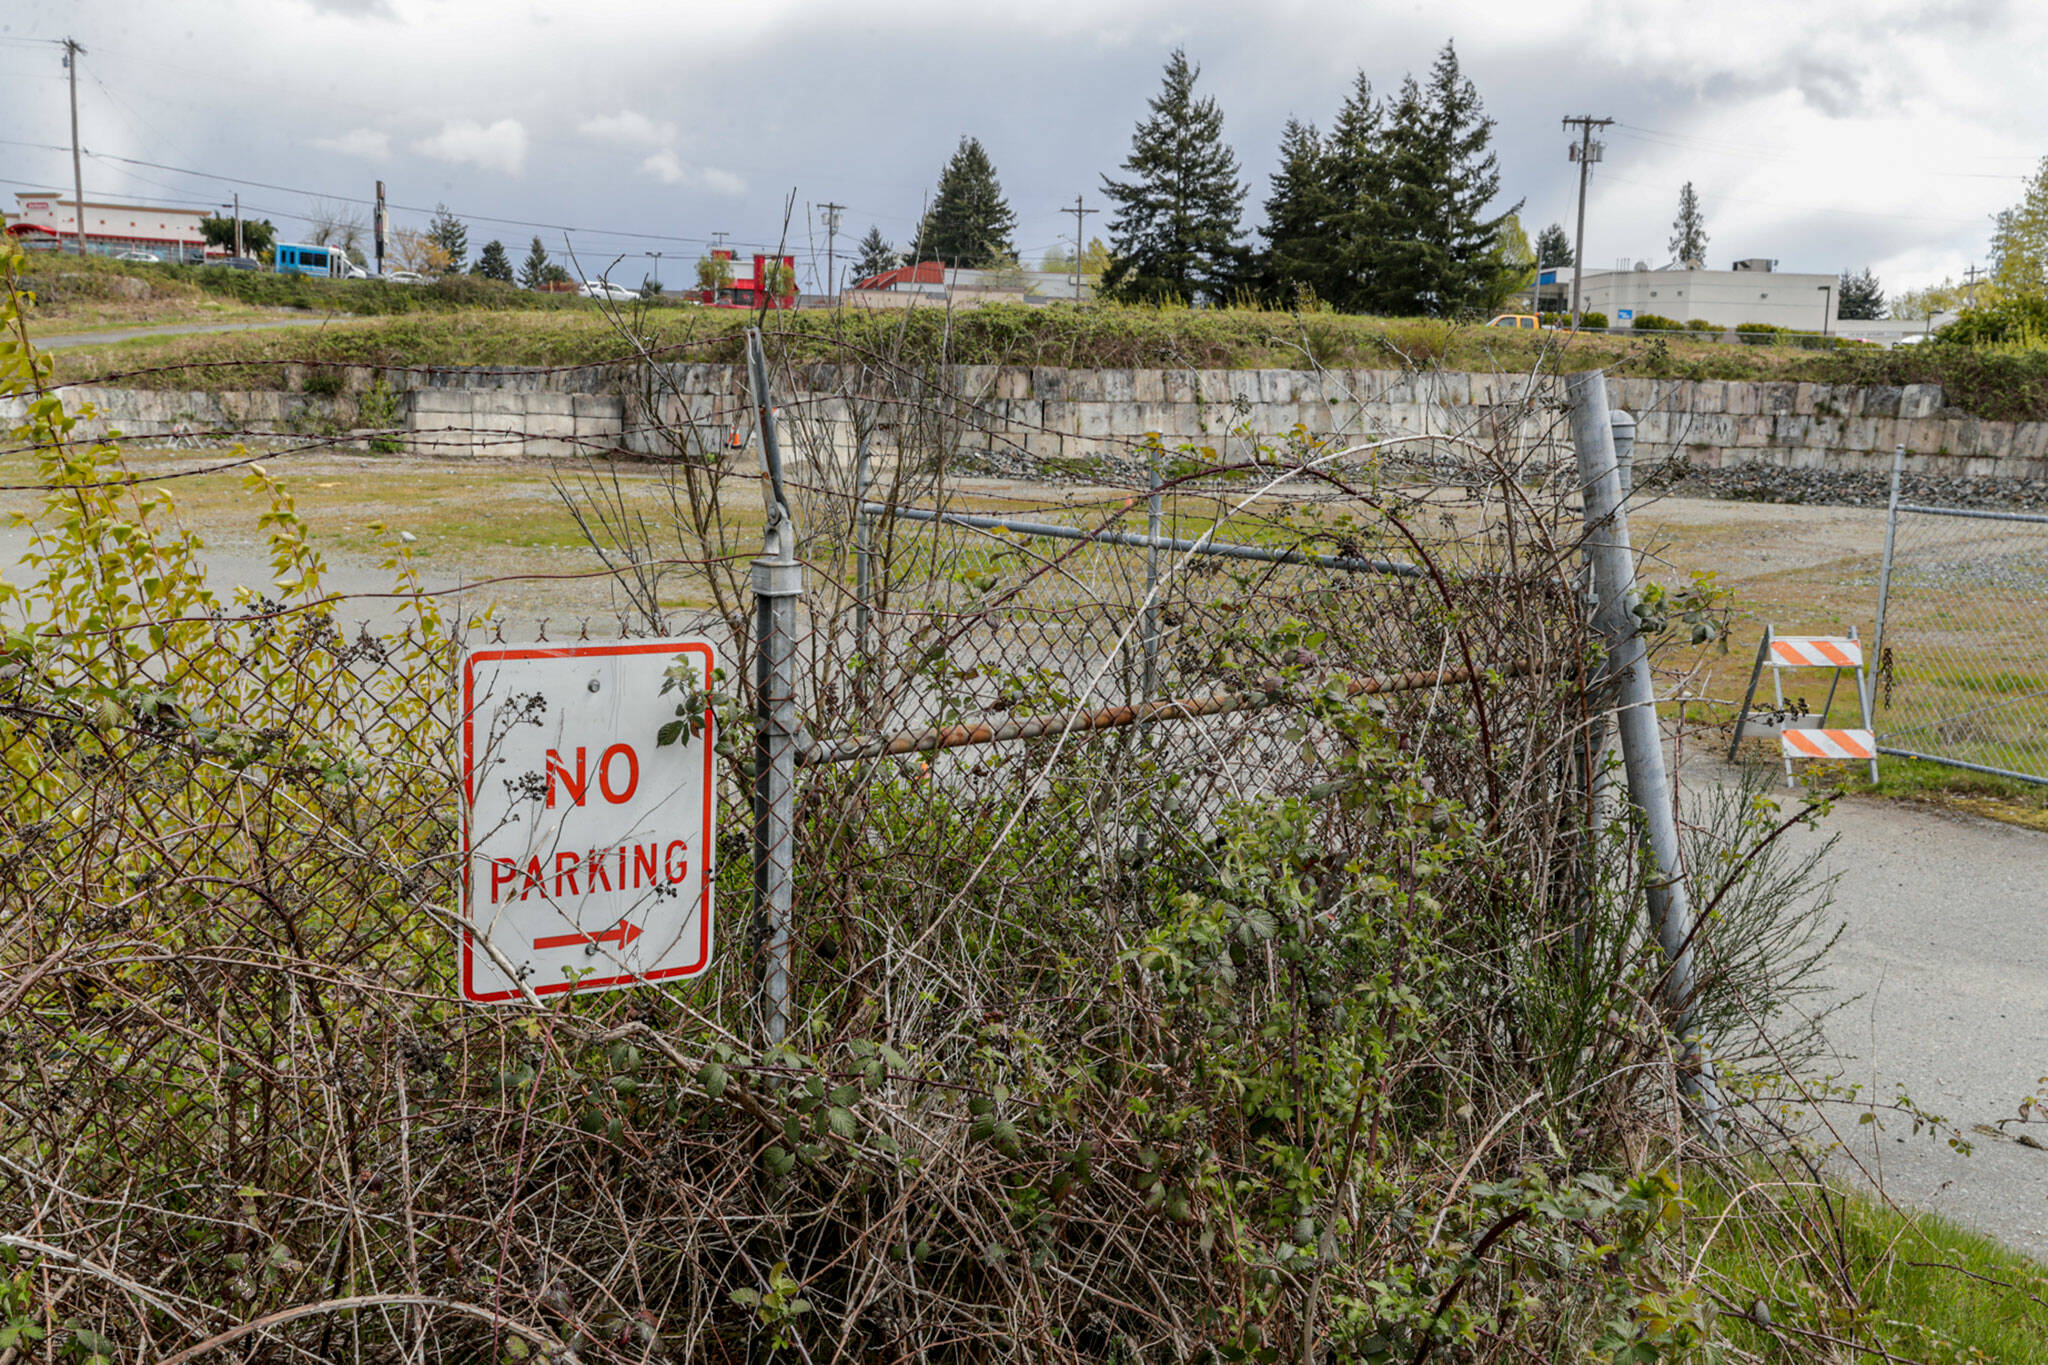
[{"x": 620, "y": 933}]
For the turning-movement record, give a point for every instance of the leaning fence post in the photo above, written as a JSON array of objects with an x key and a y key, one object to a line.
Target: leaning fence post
[
  {"x": 1884, "y": 595},
  {"x": 777, "y": 583},
  {"x": 1635, "y": 716}
]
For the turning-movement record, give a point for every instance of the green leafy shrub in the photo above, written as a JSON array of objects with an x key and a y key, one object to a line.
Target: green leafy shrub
[
  {"x": 1758, "y": 333},
  {"x": 1701, "y": 325},
  {"x": 1656, "y": 322}
]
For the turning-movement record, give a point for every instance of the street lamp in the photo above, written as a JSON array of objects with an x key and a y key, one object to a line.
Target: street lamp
[{"x": 1827, "y": 306}]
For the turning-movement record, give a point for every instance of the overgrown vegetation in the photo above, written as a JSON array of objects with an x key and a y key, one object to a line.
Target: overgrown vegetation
[
  {"x": 2000, "y": 387},
  {"x": 1327, "y": 1030}
]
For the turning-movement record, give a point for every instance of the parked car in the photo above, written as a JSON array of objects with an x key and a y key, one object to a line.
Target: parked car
[
  {"x": 236, "y": 262},
  {"x": 1528, "y": 320},
  {"x": 605, "y": 289},
  {"x": 405, "y": 277},
  {"x": 140, "y": 257}
]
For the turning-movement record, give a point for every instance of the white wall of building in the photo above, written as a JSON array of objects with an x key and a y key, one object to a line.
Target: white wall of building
[
  {"x": 1726, "y": 298},
  {"x": 112, "y": 226}
]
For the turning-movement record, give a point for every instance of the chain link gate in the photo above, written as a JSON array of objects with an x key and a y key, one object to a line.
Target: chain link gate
[{"x": 1960, "y": 672}]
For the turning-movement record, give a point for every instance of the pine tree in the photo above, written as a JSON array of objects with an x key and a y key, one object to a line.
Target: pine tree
[
  {"x": 492, "y": 263},
  {"x": 448, "y": 233},
  {"x": 1175, "y": 231},
  {"x": 876, "y": 256},
  {"x": 1689, "y": 231},
  {"x": 1859, "y": 297},
  {"x": 534, "y": 272},
  {"x": 1359, "y": 186},
  {"x": 1553, "y": 247},
  {"x": 1439, "y": 247},
  {"x": 1295, "y": 266},
  {"x": 969, "y": 223}
]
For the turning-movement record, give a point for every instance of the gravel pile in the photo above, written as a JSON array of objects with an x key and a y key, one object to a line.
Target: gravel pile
[{"x": 1838, "y": 488}]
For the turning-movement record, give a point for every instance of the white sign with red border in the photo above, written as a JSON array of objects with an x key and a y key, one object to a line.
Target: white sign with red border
[{"x": 587, "y": 846}]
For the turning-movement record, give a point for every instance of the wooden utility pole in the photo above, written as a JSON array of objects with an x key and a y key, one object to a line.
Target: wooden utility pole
[
  {"x": 1079, "y": 214},
  {"x": 832, "y": 212},
  {"x": 72, "y": 52},
  {"x": 1586, "y": 152}
]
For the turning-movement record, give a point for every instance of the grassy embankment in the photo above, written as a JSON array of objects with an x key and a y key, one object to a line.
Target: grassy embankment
[{"x": 471, "y": 322}]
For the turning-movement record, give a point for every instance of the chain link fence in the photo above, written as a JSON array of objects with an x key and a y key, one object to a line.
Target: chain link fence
[
  {"x": 1180, "y": 908},
  {"x": 1962, "y": 650}
]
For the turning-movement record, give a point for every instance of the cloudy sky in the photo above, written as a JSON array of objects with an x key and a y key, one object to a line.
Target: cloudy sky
[{"x": 1825, "y": 133}]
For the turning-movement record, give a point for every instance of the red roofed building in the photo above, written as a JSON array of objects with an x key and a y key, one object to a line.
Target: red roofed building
[
  {"x": 924, "y": 277},
  {"x": 745, "y": 290},
  {"x": 49, "y": 222}
]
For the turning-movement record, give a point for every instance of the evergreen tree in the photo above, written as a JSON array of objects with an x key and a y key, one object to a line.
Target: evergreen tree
[
  {"x": 1553, "y": 247},
  {"x": 1689, "y": 231},
  {"x": 969, "y": 223},
  {"x": 1360, "y": 187},
  {"x": 1439, "y": 248},
  {"x": 492, "y": 263},
  {"x": 448, "y": 233},
  {"x": 1859, "y": 297},
  {"x": 534, "y": 272},
  {"x": 876, "y": 256},
  {"x": 1296, "y": 264},
  {"x": 1175, "y": 231}
]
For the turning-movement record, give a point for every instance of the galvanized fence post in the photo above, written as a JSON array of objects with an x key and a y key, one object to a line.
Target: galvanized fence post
[
  {"x": 1635, "y": 717},
  {"x": 778, "y": 584}
]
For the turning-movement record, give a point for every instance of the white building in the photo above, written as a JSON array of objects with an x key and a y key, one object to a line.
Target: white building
[
  {"x": 1754, "y": 291},
  {"x": 49, "y": 221}
]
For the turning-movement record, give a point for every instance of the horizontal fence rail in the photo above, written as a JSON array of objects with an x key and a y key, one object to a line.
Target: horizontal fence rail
[
  {"x": 1116, "y": 717},
  {"x": 1263, "y": 554}
]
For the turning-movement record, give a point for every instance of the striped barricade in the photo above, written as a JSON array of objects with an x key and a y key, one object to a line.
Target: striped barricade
[{"x": 1838, "y": 654}]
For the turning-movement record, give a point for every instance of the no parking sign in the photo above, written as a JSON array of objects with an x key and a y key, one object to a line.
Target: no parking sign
[{"x": 587, "y": 846}]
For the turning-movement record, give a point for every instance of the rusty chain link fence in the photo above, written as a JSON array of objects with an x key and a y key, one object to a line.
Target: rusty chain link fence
[{"x": 1186, "y": 936}]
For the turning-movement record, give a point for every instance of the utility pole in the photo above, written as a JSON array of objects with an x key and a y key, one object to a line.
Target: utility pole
[
  {"x": 238, "y": 224},
  {"x": 1586, "y": 152},
  {"x": 718, "y": 239},
  {"x": 1079, "y": 214},
  {"x": 379, "y": 228},
  {"x": 831, "y": 212},
  {"x": 72, "y": 52}
]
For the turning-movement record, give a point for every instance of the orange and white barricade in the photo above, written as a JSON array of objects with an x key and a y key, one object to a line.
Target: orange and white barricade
[{"x": 1838, "y": 654}]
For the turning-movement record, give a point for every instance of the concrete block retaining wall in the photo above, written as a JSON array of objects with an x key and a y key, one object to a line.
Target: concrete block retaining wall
[{"x": 1071, "y": 414}]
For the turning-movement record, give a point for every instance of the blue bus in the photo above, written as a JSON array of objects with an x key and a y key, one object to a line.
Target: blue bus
[{"x": 321, "y": 262}]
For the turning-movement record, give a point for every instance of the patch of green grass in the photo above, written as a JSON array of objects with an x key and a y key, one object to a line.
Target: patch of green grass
[{"x": 1856, "y": 1269}]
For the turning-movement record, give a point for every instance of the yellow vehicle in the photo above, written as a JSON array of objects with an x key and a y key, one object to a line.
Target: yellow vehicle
[{"x": 1528, "y": 320}]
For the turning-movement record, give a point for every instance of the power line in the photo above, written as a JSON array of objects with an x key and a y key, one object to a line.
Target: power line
[{"x": 365, "y": 203}]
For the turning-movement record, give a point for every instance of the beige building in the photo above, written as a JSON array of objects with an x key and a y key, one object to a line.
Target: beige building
[
  {"x": 49, "y": 221},
  {"x": 1754, "y": 291}
]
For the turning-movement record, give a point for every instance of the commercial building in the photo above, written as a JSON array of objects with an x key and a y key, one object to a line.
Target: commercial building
[
  {"x": 49, "y": 222},
  {"x": 745, "y": 291},
  {"x": 1753, "y": 291},
  {"x": 933, "y": 282}
]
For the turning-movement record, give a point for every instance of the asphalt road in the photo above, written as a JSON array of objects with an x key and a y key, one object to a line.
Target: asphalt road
[
  {"x": 1944, "y": 958},
  {"x": 58, "y": 340}
]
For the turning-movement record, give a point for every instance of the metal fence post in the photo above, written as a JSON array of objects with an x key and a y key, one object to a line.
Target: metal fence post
[
  {"x": 1624, "y": 424},
  {"x": 1635, "y": 716},
  {"x": 777, "y": 583},
  {"x": 863, "y": 552},
  {"x": 1884, "y": 593}
]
